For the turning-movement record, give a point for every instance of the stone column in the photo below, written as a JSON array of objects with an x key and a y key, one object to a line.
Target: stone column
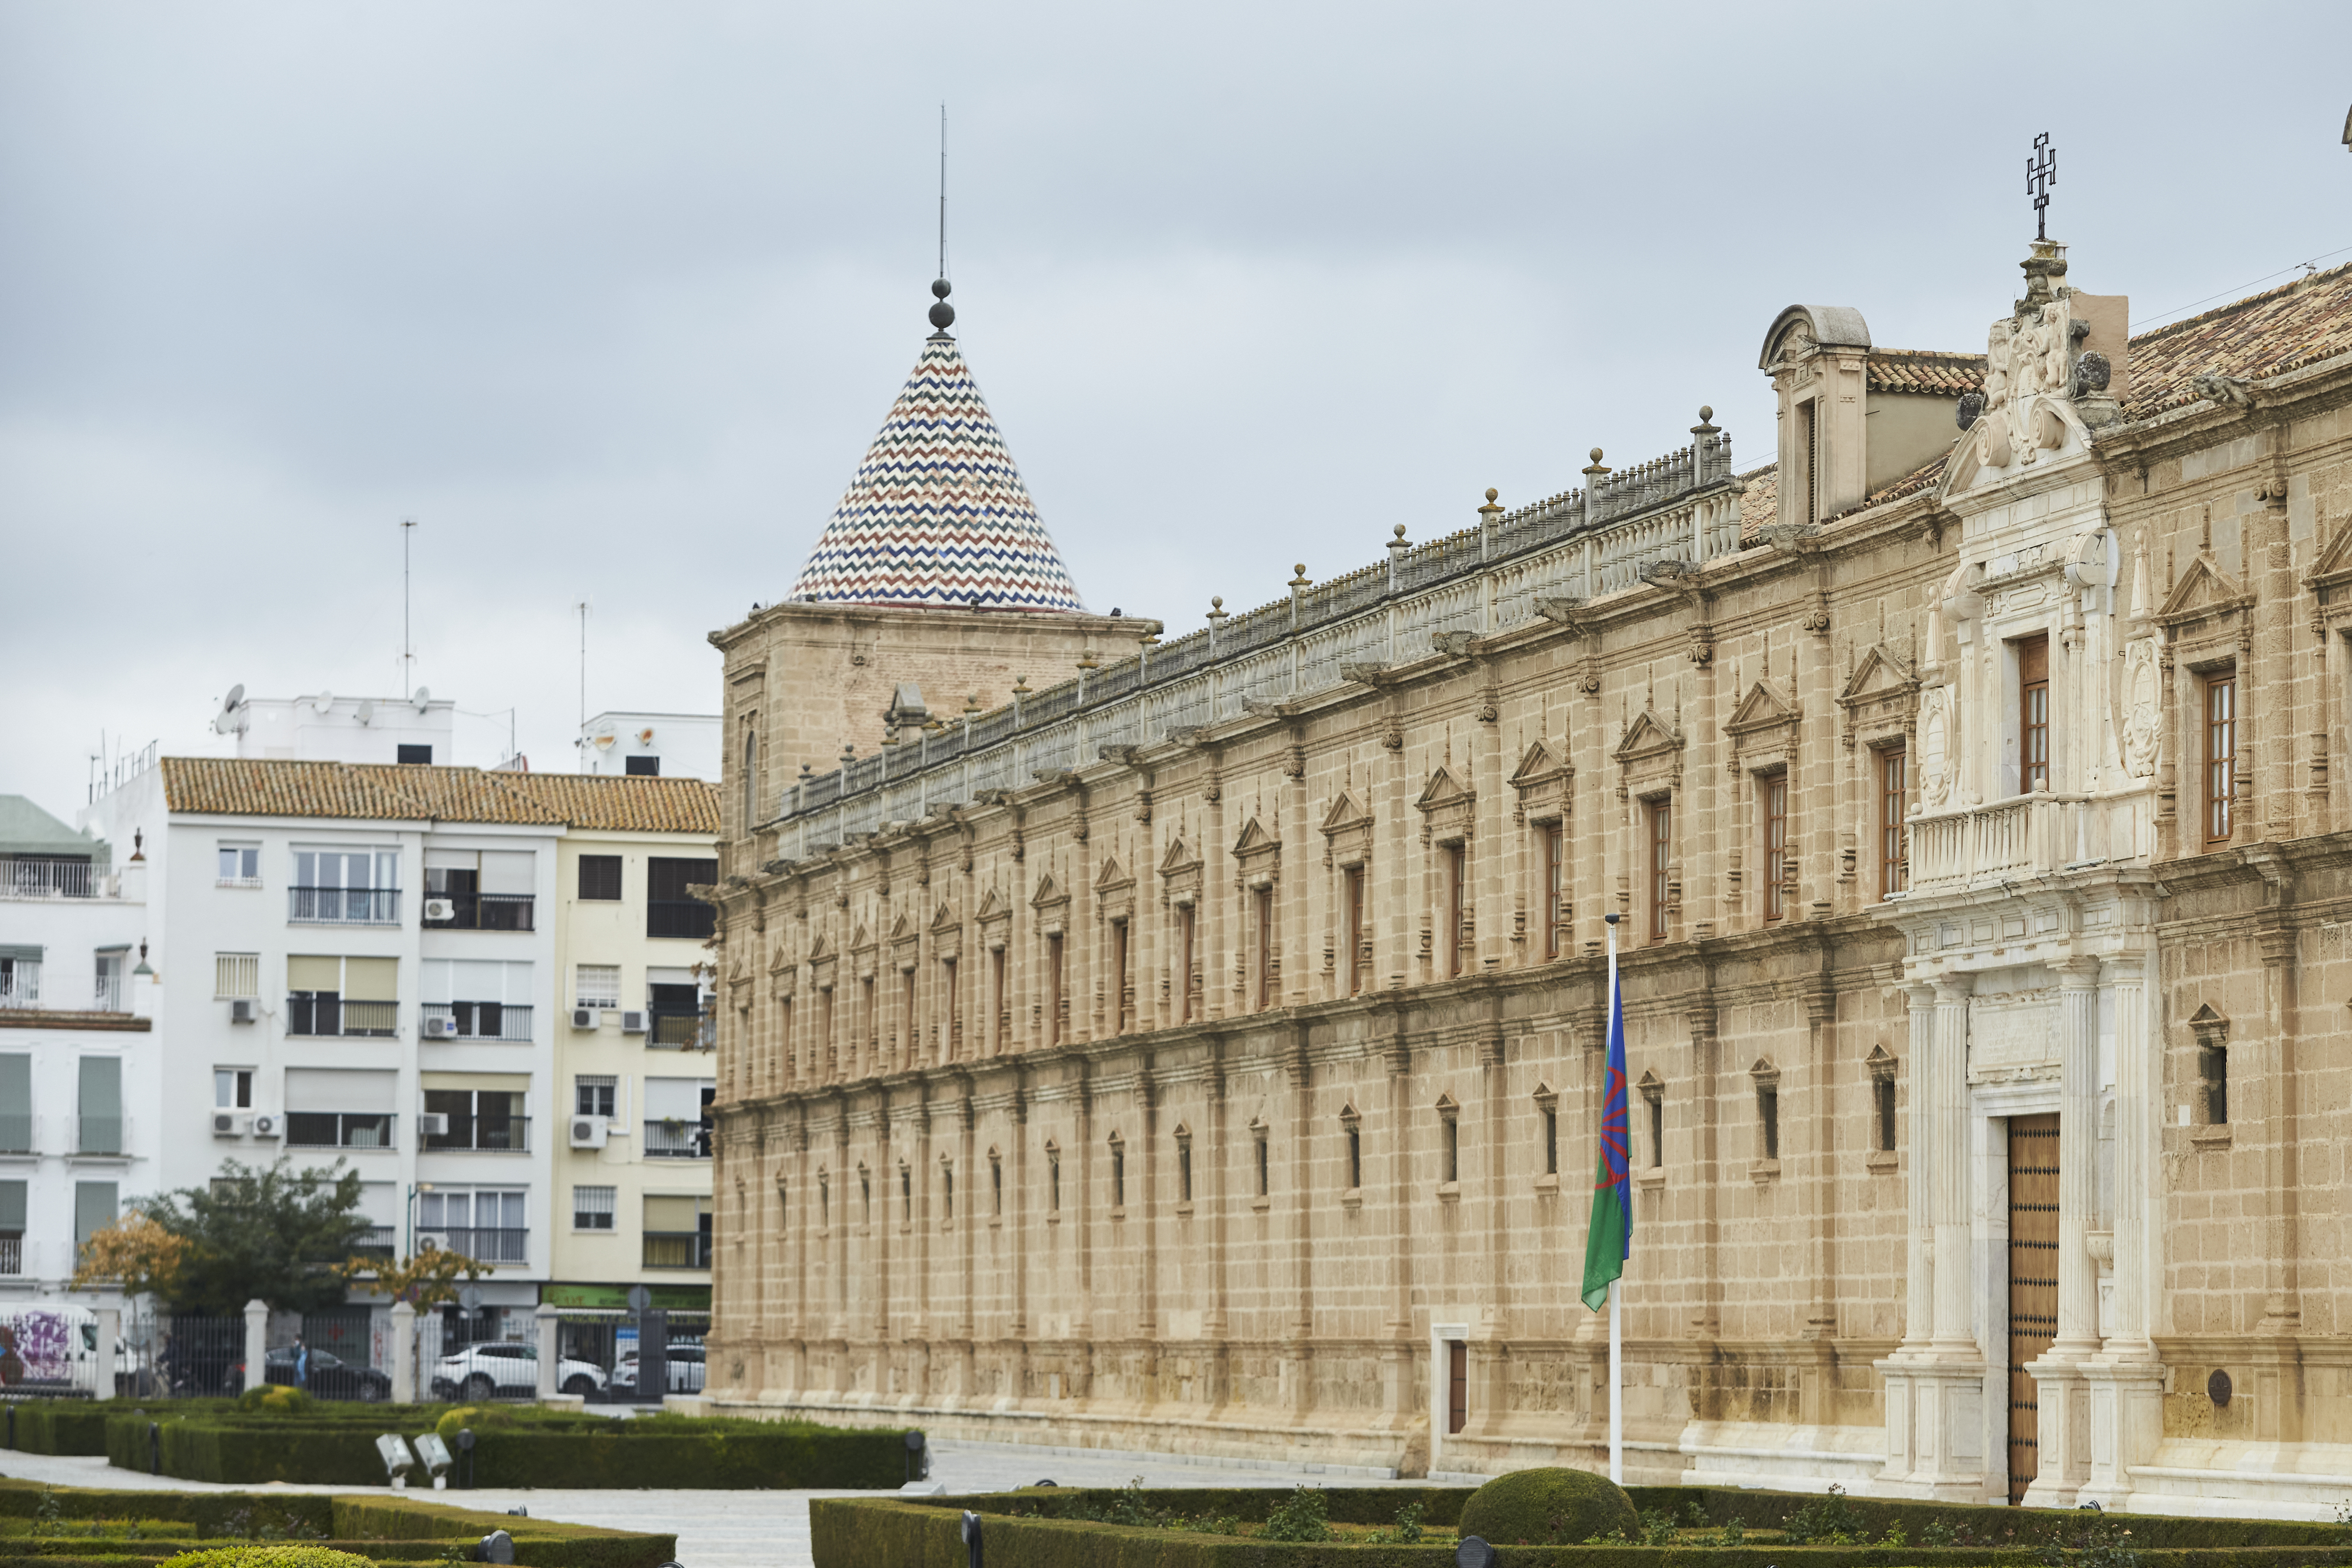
[
  {"x": 2063, "y": 1396},
  {"x": 404, "y": 1354},
  {"x": 547, "y": 1320},
  {"x": 2126, "y": 1380},
  {"x": 256, "y": 1341},
  {"x": 109, "y": 1330},
  {"x": 1949, "y": 1192},
  {"x": 1903, "y": 1444}
]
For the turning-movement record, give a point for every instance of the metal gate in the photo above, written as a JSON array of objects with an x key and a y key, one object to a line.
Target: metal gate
[{"x": 2033, "y": 1283}]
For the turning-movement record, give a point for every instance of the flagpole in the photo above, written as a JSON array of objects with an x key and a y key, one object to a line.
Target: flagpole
[{"x": 1616, "y": 1341}]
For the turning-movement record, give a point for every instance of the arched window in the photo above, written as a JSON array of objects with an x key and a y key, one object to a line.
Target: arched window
[{"x": 751, "y": 779}]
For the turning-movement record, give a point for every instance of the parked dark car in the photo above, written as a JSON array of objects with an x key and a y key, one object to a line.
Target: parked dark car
[{"x": 331, "y": 1377}]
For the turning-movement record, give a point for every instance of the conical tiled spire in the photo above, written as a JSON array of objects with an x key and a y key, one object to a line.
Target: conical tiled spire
[{"x": 937, "y": 515}]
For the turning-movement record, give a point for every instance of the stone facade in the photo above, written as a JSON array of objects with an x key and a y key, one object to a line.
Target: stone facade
[{"x": 1204, "y": 1054}]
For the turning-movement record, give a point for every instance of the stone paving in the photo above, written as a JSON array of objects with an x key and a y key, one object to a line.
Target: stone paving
[{"x": 762, "y": 1529}]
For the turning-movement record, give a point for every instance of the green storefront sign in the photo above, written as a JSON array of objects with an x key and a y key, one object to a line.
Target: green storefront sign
[{"x": 615, "y": 1297}]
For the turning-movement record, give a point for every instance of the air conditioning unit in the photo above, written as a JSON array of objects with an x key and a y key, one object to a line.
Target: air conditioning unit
[
  {"x": 240, "y": 1010},
  {"x": 590, "y": 1132},
  {"x": 585, "y": 1017},
  {"x": 231, "y": 1124},
  {"x": 268, "y": 1126},
  {"x": 439, "y": 1028},
  {"x": 633, "y": 1023},
  {"x": 432, "y": 1124},
  {"x": 440, "y": 909}
]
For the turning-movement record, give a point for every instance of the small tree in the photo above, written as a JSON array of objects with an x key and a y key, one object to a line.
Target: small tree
[
  {"x": 134, "y": 1254},
  {"x": 273, "y": 1233},
  {"x": 425, "y": 1279}
]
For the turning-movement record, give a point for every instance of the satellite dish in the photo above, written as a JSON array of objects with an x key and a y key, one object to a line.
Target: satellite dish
[
  {"x": 235, "y": 695},
  {"x": 324, "y": 700},
  {"x": 423, "y": 695},
  {"x": 367, "y": 710}
]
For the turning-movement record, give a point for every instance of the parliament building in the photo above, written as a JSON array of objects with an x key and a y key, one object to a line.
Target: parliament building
[{"x": 1194, "y": 1042}]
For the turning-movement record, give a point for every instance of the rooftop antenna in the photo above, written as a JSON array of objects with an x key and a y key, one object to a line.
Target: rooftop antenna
[
  {"x": 407, "y": 647},
  {"x": 943, "y": 313},
  {"x": 580, "y": 743}
]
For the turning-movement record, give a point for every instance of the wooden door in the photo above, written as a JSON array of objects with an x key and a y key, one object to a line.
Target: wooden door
[
  {"x": 2033, "y": 1283},
  {"x": 1457, "y": 1386}
]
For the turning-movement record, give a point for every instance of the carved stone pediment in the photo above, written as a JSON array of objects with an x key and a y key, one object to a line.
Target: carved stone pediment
[
  {"x": 1114, "y": 891},
  {"x": 1884, "y": 677},
  {"x": 947, "y": 932},
  {"x": 1543, "y": 781},
  {"x": 1178, "y": 859},
  {"x": 1347, "y": 832},
  {"x": 1255, "y": 842},
  {"x": 1345, "y": 814},
  {"x": 2203, "y": 593},
  {"x": 1765, "y": 708},
  {"x": 1049, "y": 892},
  {"x": 2330, "y": 579},
  {"x": 861, "y": 941},
  {"x": 1446, "y": 807},
  {"x": 1442, "y": 790},
  {"x": 1648, "y": 737}
]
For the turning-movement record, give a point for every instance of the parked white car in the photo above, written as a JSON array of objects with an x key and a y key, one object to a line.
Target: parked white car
[
  {"x": 508, "y": 1367},
  {"x": 686, "y": 1370}
]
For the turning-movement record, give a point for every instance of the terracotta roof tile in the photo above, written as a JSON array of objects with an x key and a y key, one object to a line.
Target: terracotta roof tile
[
  {"x": 2264, "y": 334},
  {"x": 1759, "y": 507},
  {"x": 259, "y": 787},
  {"x": 1930, "y": 371}
]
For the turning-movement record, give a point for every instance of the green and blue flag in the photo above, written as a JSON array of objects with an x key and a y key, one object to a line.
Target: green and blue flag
[{"x": 1609, "y": 1239}]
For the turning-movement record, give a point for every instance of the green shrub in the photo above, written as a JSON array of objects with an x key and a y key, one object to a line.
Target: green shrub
[
  {"x": 267, "y": 1557},
  {"x": 1827, "y": 1520},
  {"x": 1549, "y": 1507},
  {"x": 1304, "y": 1515},
  {"x": 275, "y": 1399}
]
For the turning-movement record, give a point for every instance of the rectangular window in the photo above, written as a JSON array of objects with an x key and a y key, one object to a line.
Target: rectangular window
[
  {"x": 911, "y": 1043},
  {"x": 997, "y": 1001},
  {"x": 1457, "y": 1386},
  {"x": 1809, "y": 454},
  {"x": 947, "y": 1189},
  {"x": 231, "y": 1089},
  {"x": 1882, "y": 1096},
  {"x": 1552, "y": 1140},
  {"x": 106, "y": 979},
  {"x": 12, "y": 1227},
  {"x": 1262, "y": 901},
  {"x": 2213, "y": 1080},
  {"x": 1264, "y": 1165},
  {"x": 240, "y": 865},
  {"x": 410, "y": 755},
  {"x": 596, "y": 984},
  {"x": 1657, "y": 1103},
  {"x": 1893, "y": 792},
  {"x": 868, "y": 1024},
  {"x": 1183, "y": 1170},
  {"x": 1355, "y": 1157},
  {"x": 1117, "y": 1174},
  {"x": 676, "y": 1231},
  {"x": 593, "y": 1208},
  {"x": 345, "y": 887},
  {"x": 2220, "y": 755},
  {"x": 100, "y": 1121},
  {"x": 1450, "y": 938},
  {"x": 2033, "y": 713},
  {"x": 1768, "y": 1116},
  {"x": 94, "y": 1210},
  {"x": 645, "y": 766},
  {"x": 484, "y": 1224},
  {"x": 1775, "y": 792},
  {"x": 1119, "y": 977},
  {"x": 236, "y": 975},
  {"x": 599, "y": 878},
  {"x": 953, "y": 1047},
  {"x": 1452, "y": 1149},
  {"x": 1185, "y": 917},
  {"x": 1054, "y": 989},
  {"x": 1052, "y": 1178},
  {"x": 1555, "y": 890},
  {"x": 16, "y": 1103},
  {"x": 595, "y": 1095},
  {"x": 669, "y": 912},
  {"x": 1352, "y": 894},
  {"x": 20, "y": 976},
  {"x": 327, "y": 995},
  {"x": 1662, "y": 844},
  {"x": 997, "y": 1184},
  {"x": 489, "y": 1119}
]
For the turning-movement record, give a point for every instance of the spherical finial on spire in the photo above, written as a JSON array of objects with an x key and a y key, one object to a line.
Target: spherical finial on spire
[
  {"x": 1596, "y": 453},
  {"x": 1705, "y": 414},
  {"x": 941, "y": 287},
  {"x": 943, "y": 313}
]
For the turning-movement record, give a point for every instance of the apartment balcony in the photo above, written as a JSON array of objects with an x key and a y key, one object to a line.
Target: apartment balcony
[
  {"x": 676, "y": 1140},
  {"x": 478, "y": 912},
  {"x": 482, "y": 1135},
  {"x": 343, "y": 906},
  {"x": 327, "y": 1016},
  {"x": 379, "y": 1242},
  {"x": 476, "y": 1021},
  {"x": 99, "y": 1137},
  {"x": 679, "y": 917},
  {"x": 2010, "y": 841},
  {"x": 339, "y": 1130},
  {"x": 676, "y": 1249},
  {"x": 57, "y": 879},
  {"x": 17, "y": 1134},
  {"x": 668, "y": 1031},
  {"x": 483, "y": 1246}
]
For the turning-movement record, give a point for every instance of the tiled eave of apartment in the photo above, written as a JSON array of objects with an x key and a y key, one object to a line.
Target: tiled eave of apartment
[{"x": 41, "y": 1018}]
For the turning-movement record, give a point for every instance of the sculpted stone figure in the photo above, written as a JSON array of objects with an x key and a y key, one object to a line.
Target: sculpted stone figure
[{"x": 2142, "y": 732}]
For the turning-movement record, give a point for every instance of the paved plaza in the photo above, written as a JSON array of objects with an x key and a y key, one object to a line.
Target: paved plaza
[{"x": 763, "y": 1529}]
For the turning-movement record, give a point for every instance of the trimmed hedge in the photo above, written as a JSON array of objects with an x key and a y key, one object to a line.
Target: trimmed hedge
[
  {"x": 1548, "y": 1504},
  {"x": 58, "y": 1427},
  {"x": 1023, "y": 1531},
  {"x": 268, "y": 1556}
]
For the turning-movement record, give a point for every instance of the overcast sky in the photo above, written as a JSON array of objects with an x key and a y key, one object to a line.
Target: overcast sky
[{"x": 610, "y": 298}]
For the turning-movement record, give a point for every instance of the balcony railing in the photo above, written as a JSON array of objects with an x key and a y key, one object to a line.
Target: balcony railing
[
  {"x": 12, "y": 1255},
  {"x": 476, "y": 1021},
  {"x": 483, "y": 1246},
  {"x": 478, "y": 911},
  {"x": 681, "y": 1031},
  {"x": 2005, "y": 841},
  {"x": 106, "y": 994},
  {"x": 378, "y": 1242},
  {"x": 676, "y": 1140},
  {"x": 676, "y": 1249},
  {"x": 330, "y": 1015},
  {"x": 481, "y": 1136},
  {"x": 678, "y": 917},
  {"x": 21, "y": 987},
  {"x": 99, "y": 1134},
  {"x": 16, "y": 1134},
  {"x": 343, "y": 906},
  {"x": 337, "y": 1129},
  {"x": 57, "y": 879}
]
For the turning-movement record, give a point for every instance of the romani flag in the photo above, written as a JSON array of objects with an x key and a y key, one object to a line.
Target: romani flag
[{"x": 1609, "y": 1238}]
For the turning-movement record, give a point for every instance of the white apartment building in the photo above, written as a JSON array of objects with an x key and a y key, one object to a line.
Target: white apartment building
[
  {"x": 664, "y": 745},
  {"x": 80, "y": 1109},
  {"x": 325, "y": 727},
  {"x": 365, "y": 967}
]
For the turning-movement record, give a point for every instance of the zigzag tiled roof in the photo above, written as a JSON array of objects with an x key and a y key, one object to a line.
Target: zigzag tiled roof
[{"x": 937, "y": 515}]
